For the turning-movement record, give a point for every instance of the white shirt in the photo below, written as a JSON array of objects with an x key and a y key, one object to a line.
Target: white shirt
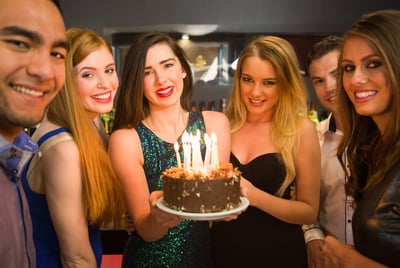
[{"x": 336, "y": 208}]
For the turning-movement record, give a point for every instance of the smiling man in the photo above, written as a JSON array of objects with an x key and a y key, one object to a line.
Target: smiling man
[
  {"x": 336, "y": 210},
  {"x": 32, "y": 49}
]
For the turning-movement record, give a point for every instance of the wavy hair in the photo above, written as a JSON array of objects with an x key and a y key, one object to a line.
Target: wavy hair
[
  {"x": 291, "y": 104},
  {"x": 102, "y": 195},
  {"x": 372, "y": 154}
]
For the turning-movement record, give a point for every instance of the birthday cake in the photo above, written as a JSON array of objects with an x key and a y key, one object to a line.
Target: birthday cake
[{"x": 218, "y": 190}]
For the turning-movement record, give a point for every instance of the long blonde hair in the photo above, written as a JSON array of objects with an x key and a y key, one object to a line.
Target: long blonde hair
[
  {"x": 102, "y": 195},
  {"x": 291, "y": 104}
]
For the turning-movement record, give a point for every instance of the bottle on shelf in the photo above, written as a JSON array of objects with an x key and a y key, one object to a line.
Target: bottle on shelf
[
  {"x": 223, "y": 105},
  {"x": 108, "y": 119},
  {"x": 211, "y": 106},
  {"x": 202, "y": 106},
  {"x": 313, "y": 113}
]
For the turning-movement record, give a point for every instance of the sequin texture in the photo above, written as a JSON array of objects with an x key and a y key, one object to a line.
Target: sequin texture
[{"x": 186, "y": 245}]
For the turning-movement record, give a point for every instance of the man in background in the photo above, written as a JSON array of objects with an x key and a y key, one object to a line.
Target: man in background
[
  {"x": 32, "y": 50},
  {"x": 336, "y": 209}
]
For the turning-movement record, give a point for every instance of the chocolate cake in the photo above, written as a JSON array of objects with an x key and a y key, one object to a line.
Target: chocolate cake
[{"x": 217, "y": 191}]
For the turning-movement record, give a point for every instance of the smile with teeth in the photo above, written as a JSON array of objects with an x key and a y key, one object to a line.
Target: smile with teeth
[
  {"x": 102, "y": 96},
  {"x": 164, "y": 91},
  {"x": 28, "y": 91},
  {"x": 256, "y": 101},
  {"x": 331, "y": 98},
  {"x": 365, "y": 94}
]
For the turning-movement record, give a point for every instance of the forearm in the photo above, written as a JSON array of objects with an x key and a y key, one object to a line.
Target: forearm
[
  {"x": 78, "y": 260},
  {"x": 291, "y": 211},
  {"x": 150, "y": 229}
]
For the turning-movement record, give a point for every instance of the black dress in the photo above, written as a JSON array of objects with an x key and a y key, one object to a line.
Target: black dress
[
  {"x": 257, "y": 239},
  {"x": 376, "y": 221}
]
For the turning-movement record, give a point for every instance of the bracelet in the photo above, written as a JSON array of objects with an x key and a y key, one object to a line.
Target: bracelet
[
  {"x": 306, "y": 227},
  {"x": 313, "y": 234}
]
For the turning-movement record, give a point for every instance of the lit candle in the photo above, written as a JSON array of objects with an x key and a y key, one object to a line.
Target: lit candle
[
  {"x": 178, "y": 157},
  {"x": 196, "y": 153},
  {"x": 207, "y": 157},
  {"x": 214, "y": 151},
  {"x": 186, "y": 150}
]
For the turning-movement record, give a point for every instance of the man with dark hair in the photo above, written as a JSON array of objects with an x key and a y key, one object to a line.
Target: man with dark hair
[
  {"x": 336, "y": 209},
  {"x": 32, "y": 48}
]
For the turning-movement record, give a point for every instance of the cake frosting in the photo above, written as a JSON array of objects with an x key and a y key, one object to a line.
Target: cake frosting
[{"x": 218, "y": 190}]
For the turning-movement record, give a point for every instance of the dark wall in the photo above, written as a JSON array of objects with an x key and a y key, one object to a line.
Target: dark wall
[{"x": 272, "y": 16}]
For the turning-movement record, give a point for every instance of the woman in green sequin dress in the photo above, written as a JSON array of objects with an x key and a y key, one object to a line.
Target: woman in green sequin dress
[{"x": 152, "y": 112}]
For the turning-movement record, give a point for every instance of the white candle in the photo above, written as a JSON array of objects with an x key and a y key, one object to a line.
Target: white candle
[
  {"x": 186, "y": 150},
  {"x": 197, "y": 160},
  {"x": 207, "y": 157},
  {"x": 178, "y": 157},
  {"x": 214, "y": 151}
]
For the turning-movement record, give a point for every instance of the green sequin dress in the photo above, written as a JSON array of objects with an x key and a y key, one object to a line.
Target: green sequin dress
[{"x": 189, "y": 243}]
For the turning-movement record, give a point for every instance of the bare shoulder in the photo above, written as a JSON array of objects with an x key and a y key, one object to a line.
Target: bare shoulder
[
  {"x": 307, "y": 126},
  {"x": 60, "y": 165},
  {"x": 215, "y": 118},
  {"x": 124, "y": 136},
  {"x": 125, "y": 144},
  {"x": 65, "y": 149}
]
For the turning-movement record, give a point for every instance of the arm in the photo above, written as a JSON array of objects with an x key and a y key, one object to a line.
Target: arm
[
  {"x": 218, "y": 122},
  {"x": 337, "y": 254},
  {"x": 314, "y": 238},
  {"x": 127, "y": 159},
  {"x": 304, "y": 209},
  {"x": 62, "y": 183}
]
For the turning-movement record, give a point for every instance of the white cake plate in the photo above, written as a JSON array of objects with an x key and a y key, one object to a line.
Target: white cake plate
[{"x": 204, "y": 216}]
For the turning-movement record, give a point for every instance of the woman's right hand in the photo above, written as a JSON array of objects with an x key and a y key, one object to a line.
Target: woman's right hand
[{"x": 165, "y": 219}]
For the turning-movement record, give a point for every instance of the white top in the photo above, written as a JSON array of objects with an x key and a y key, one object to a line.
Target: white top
[{"x": 336, "y": 208}]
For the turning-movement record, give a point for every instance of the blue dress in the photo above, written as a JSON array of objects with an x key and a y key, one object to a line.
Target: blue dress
[
  {"x": 45, "y": 238},
  {"x": 256, "y": 238},
  {"x": 189, "y": 243}
]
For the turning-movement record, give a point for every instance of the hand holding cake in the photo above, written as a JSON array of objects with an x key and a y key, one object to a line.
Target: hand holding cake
[{"x": 201, "y": 186}]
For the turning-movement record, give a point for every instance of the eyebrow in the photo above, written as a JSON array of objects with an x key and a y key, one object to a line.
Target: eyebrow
[
  {"x": 367, "y": 57},
  {"x": 92, "y": 68},
  {"x": 162, "y": 62},
  {"x": 34, "y": 36},
  {"x": 333, "y": 72}
]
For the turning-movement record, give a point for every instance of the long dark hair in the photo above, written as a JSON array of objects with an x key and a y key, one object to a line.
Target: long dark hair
[
  {"x": 131, "y": 106},
  {"x": 370, "y": 153}
]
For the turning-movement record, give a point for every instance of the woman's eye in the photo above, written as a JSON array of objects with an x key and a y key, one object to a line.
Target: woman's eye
[
  {"x": 348, "y": 68},
  {"x": 269, "y": 83},
  {"x": 247, "y": 79},
  {"x": 374, "y": 64},
  {"x": 87, "y": 75},
  {"x": 147, "y": 73},
  {"x": 110, "y": 71}
]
